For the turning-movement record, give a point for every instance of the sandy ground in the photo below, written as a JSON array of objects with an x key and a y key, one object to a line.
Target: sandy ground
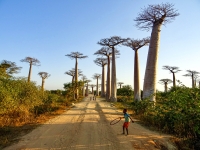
[{"x": 87, "y": 127}]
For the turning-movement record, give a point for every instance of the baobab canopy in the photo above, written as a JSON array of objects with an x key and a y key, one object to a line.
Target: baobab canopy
[{"x": 160, "y": 13}]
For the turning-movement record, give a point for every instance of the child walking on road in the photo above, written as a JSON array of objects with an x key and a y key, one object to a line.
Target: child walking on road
[{"x": 127, "y": 121}]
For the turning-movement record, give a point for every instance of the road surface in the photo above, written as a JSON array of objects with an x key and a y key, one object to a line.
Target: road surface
[{"x": 87, "y": 127}]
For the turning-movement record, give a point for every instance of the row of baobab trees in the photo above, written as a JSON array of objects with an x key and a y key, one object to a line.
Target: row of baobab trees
[
  {"x": 173, "y": 69},
  {"x": 7, "y": 68},
  {"x": 151, "y": 17}
]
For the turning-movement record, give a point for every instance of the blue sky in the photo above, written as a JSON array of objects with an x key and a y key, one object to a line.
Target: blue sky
[{"x": 50, "y": 29}]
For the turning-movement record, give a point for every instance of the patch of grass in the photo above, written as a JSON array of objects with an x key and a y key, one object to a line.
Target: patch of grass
[{"x": 11, "y": 134}]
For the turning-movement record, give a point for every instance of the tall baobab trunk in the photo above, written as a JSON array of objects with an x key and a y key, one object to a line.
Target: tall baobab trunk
[
  {"x": 137, "y": 92},
  {"x": 83, "y": 90},
  {"x": 193, "y": 85},
  {"x": 43, "y": 80},
  {"x": 103, "y": 82},
  {"x": 108, "y": 80},
  {"x": 87, "y": 92},
  {"x": 165, "y": 86},
  {"x": 97, "y": 88},
  {"x": 174, "y": 80},
  {"x": 29, "y": 73},
  {"x": 76, "y": 78},
  {"x": 113, "y": 78},
  {"x": 92, "y": 90},
  {"x": 149, "y": 87}
]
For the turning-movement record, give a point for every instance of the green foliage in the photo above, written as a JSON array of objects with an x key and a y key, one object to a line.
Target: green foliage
[
  {"x": 72, "y": 87},
  {"x": 125, "y": 91},
  {"x": 20, "y": 100},
  {"x": 176, "y": 111},
  {"x": 8, "y": 68},
  {"x": 125, "y": 94},
  {"x": 124, "y": 98}
]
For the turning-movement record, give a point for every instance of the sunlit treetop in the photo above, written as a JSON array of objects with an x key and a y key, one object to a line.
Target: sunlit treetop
[
  {"x": 111, "y": 42},
  {"x": 155, "y": 14},
  {"x": 106, "y": 51},
  {"x": 101, "y": 61},
  {"x": 136, "y": 44},
  {"x": 76, "y": 55},
  {"x": 31, "y": 60}
]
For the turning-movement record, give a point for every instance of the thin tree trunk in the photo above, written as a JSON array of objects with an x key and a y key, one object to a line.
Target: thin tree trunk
[
  {"x": 192, "y": 81},
  {"x": 83, "y": 89},
  {"x": 137, "y": 95},
  {"x": 165, "y": 86},
  {"x": 108, "y": 81},
  {"x": 29, "y": 73},
  {"x": 87, "y": 92},
  {"x": 92, "y": 91},
  {"x": 113, "y": 78},
  {"x": 76, "y": 78},
  {"x": 149, "y": 87},
  {"x": 174, "y": 80},
  {"x": 97, "y": 89},
  {"x": 103, "y": 82},
  {"x": 43, "y": 84}
]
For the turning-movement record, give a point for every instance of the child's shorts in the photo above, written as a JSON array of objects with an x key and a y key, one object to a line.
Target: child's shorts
[{"x": 126, "y": 124}]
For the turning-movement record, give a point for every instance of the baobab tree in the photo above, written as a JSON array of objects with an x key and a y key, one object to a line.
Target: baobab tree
[
  {"x": 106, "y": 51},
  {"x": 76, "y": 56},
  {"x": 199, "y": 83},
  {"x": 165, "y": 82},
  {"x": 195, "y": 79},
  {"x": 192, "y": 74},
  {"x": 136, "y": 44},
  {"x": 153, "y": 17},
  {"x": 172, "y": 70},
  {"x": 84, "y": 80},
  {"x": 102, "y": 62},
  {"x": 32, "y": 62},
  {"x": 43, "y": 75},
  {"x": 97, "y": 76},
  {"x": 87, "y": 90},
  {"x": 72, "y": 73},
  {"x": 111, "y": 43},
  {"x": 92, "y": 86},
  {"x": 120, "y": 84},
  {"x": 7, "y": 68}
]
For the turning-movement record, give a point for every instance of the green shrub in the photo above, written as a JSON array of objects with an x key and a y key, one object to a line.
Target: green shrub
[{"x": 176, "y": 111}]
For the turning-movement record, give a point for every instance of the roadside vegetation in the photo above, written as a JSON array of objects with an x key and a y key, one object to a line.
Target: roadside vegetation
[
  {"x": 24, "y": 105},
  {"x": 176, "y": 112}
]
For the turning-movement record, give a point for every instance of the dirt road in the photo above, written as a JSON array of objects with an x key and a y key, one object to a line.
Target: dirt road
[{"x": 87, "y": 127}]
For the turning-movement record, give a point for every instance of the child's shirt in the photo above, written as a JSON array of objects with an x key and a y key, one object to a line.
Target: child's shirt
[{"x": 126, "y": 116}]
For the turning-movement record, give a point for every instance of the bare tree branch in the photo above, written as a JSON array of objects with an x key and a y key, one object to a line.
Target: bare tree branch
[
  {"x": 106, "y": 51},
  {"x": 76, "y": 55},
  {"x": 44, "y": 75},
  {"x": 32, "y": 61},
  {"x": 153, "y": 14},
  {"x": 164, "y": 81},
  {"x": 136, "y": 44},
  {"x": 101, "y": 61},
  {"x": 112, "y": 41}
]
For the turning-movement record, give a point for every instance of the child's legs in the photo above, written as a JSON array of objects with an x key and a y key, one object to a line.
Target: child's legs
[
  {"x": 125, "y": 125},
  {"x": 127, "y": 131}
]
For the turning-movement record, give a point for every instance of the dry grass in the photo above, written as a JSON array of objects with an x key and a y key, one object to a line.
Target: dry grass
[{"x": 10, "y": 134}]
